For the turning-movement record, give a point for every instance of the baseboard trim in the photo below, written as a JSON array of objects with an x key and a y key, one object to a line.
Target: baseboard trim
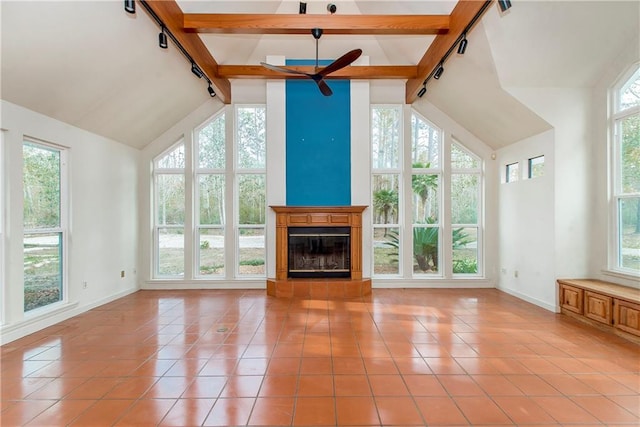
[{"x": 529, "y": 299}]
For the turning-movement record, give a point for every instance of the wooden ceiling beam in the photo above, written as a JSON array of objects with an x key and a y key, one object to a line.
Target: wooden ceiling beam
[
  {"x": 242, "y": 23},
  {"x": 172, "y": 17},
  {"x": 354, "y": 72},
  {"x": 465, "y": 13}
]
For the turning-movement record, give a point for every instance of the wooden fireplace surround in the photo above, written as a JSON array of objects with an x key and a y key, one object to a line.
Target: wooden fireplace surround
[{"x": 318, "y": 216}]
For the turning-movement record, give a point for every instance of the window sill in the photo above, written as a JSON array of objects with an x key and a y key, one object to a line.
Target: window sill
[{"x": 633, "y": 279}]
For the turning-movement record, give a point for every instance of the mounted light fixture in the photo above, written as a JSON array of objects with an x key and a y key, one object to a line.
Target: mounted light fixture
[
  {"x": 423, "y": 90},
  {"x": 504, "y": 5},
  {"x": 439, "y": 71},
  {"x": 162, "y": 39},
  {"x": 196, "y": 70},
  {"x": 332, "y": 8},
  {"x": 462, "y": 46},
  {"x": 211, "y": 91},
  {"x": 303, "y": 8},
  {"x": 130, "y": 6}
]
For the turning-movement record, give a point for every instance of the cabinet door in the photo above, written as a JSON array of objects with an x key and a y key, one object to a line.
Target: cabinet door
[
  {"x": 627, "y": 317},
  {"x": 597, "y": 307},
  {"x": 571, "y": 298}
]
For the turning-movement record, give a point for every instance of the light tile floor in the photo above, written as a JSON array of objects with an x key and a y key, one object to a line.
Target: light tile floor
[{"x": 399, "y": 357}]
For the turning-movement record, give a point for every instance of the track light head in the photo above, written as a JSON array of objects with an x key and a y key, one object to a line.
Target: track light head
[
  {"x": 462, "y": 47},
  {"x": 422, "y": 91},
  {"x": 504, "y": 5},
  {"x": 162, "y": 39},
  {"x": 212, "y": 92},
  {"x": 196, "y": 70},
  {"x": 439, "y": 72},
  {"x": 332, "y": 8},
  {"x": 303, "y": 8},
  {"x": 130, "y": 6}
]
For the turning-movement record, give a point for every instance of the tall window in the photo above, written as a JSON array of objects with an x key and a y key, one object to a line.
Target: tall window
[
  {"x": 626, "y": 175},
  {"x": 426, "y": 177},
  {"x": 386, "y": 125},
  {"x": 251, "y": 187},
  {"x": 169, "y": 200},
  {"x": 45, "y": 224},
  {"x": 466, "y": 177},
  {"x": 211, "y": 189}
]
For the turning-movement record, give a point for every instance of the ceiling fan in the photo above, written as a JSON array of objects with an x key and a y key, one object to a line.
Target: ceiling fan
[{"x": 320, "y": 73}]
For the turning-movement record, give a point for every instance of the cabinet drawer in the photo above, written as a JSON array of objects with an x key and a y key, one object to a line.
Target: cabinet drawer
[
  {"x": 597, "y": 307},
  {"x": 571, "y": 298},
  {"x": 627, "y": 316}
]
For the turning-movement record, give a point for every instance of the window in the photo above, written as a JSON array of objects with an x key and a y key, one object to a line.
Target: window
[
  {"x": 251, "y": 190},
  {"x": 45, "y": 224},
  {"x": 386, "y": 167},
  {"x": 169, "y": 212},
  {"x": 536, "y": 167},
  {"x": 466, "y": 175},
  {"x": 426, "y": 174},
  {"x": 210, "y": 200},
  {"x": 625, "y": 125},
  {"x": 512, "y": 172},
  {"x": 211, "y": 189}
]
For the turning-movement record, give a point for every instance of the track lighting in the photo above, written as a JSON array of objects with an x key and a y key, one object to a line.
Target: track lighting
[
  {"x": 303, "y": 8},
  {"x": 130, "y": 6},
  {"x": 211, "y": 91},
  {"x": 423, "y": 90},
  {"x": 196, "y": 70},
  {"x": 332, "y": 8},
  {"x": 463, "y": 44},
  {"x": 439, "y": 71},
  {"x": 504, "y": 5},
  {"x": 162, "y": 39}
]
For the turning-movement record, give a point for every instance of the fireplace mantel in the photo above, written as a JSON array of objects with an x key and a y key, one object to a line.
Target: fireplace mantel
[{"x": 318, "y": 216}]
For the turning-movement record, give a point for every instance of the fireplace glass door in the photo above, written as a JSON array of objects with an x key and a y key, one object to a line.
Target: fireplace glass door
[{"x": 321, "y": 252}]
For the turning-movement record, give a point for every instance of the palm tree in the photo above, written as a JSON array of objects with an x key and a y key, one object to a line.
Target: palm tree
[
  {"x": 385, "y": 202},
  {"x": 422, "y": 184}
]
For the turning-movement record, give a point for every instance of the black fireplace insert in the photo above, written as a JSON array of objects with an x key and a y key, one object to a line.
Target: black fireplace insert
[{"x": 319, "y": 252}]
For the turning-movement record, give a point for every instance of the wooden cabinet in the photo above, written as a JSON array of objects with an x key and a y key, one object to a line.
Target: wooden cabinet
[
  {"x": 606, "y": 305},
  {"x": 571, "y": 298},
  {"x": 597, "y": 307},
  {"x": 627, "y": 317}
]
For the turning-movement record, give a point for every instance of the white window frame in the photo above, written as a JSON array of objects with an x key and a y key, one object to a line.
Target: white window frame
[
  {"x": 228, "y": 178},
  {"x": 236, "y": 173},
  {"x": 439, "y": 171},
  {"x": 156, "y": 226},
  {"x": 615, "y": 175},
  {"x": 62, "y": 229},
  {"x": 479, "y": 172},
  {"x": 401, "y": 208}
]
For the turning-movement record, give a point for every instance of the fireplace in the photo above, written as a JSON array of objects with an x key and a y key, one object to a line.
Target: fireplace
[{"x": 319, "y": 252}]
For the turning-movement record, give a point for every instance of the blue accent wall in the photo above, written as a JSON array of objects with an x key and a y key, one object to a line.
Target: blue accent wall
[{"x": 318, "y": 145}]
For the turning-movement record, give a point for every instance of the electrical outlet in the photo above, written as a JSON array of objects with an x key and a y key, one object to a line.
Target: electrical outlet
[
  {"x": 515, "y": 274},
  {"x": 84, "y": 285},
  {"x": 503, "y": 271},
  {"x": 122, "y": 273}
]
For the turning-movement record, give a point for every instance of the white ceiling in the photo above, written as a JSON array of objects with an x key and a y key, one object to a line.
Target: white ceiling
[{"x": 92, "y": 65}]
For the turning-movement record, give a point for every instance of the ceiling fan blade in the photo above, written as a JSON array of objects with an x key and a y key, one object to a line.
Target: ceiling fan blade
[
  {"x": 324, "y": 87},
  {"x": 341, "y": 62},
  {"x": 284, "y": 69}
]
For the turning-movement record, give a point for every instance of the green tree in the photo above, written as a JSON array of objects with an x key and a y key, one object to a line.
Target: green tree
[
  {"x": 423, "y": 185},
  {"x": 385, "y": 202}
]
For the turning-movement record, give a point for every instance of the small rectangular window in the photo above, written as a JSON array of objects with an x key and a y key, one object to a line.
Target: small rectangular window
[
  {"x": 512, "y": 173},
  {"x": 536, "y": 167}
]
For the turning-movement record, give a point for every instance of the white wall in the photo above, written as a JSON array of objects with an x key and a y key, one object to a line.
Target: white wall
[
  {"x": 103, "y": 234},
  {"x": 527, "y": 223}
]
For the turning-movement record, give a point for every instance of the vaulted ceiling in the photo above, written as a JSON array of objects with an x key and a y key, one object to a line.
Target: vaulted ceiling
[{"x": 92, "y": 65}]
